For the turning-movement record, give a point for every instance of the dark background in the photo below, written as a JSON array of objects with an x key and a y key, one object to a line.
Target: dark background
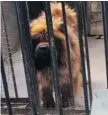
[{"x": 35, "y": 8}]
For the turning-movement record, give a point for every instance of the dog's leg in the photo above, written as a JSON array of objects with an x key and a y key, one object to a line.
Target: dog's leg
[
  {"x": 48, "y": 100},
  {"x": 45, "y": 90},
  {"x": 65, "y": 87},
  {"x": 66, "y": 95}
]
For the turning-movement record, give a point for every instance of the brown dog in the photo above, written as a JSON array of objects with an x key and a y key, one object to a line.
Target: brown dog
[{"x": 38, "y": 30}]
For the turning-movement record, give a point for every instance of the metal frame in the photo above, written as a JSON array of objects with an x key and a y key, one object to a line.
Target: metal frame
[
  {"x": 81, "y": 42},
  {"x": 68, "y": 53},
  {"x": 105, "y": 26},
  {"x": 30, "y": 70},
  {"x": 84, "y": 19}
]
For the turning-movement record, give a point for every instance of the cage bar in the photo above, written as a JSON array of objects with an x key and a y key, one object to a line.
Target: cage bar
[
  {"x": 105, "y": 28},
  {"x": 27, "y": 51},
  {"x": 53, "y": 57},
  {"x": 87, "y": 50},
  {"x": 80, "y": 35},
  {"x": 6, "y": 88},
  {"x": 21, "y": 9},
  {"x": 68, "y": 53}
]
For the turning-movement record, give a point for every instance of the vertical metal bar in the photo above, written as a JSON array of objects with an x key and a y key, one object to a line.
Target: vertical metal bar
[
  {"x": 80, "y": 35},
  {"x": 28, "y": 16},
  {"x": 88, "y": 17},
  {"x": 27, "y": 51},
  {"x": 105, "y": 30},
  {"x": 5, "y": 88},
  {"x": 87, "y": 50},
  {"x": 53, "y": 57},
  {"x": 36, "y": 86},
  {"x": 68, "y": 53},
  {"x": 9, "y": 53}
]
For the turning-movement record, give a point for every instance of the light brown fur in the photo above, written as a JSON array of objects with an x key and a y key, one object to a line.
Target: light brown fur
[{"x": 38, "y": 25}]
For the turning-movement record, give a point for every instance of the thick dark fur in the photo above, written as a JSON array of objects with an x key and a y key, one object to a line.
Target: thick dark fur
[{"x": 39, "y": 33}]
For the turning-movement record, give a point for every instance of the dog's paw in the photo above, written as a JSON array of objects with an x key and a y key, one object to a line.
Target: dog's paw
[
  {"x": 50, "y": 104},
  {"x": 67, "y": 103}
]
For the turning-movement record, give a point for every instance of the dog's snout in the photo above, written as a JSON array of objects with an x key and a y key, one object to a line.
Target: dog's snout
[{"x": 42, "y": 56}]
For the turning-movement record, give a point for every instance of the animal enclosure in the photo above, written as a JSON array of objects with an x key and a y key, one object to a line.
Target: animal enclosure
[{"x": 19, "y": 88}]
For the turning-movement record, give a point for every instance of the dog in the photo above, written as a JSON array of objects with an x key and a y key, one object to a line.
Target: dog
[{"x": 38, "y": 30}]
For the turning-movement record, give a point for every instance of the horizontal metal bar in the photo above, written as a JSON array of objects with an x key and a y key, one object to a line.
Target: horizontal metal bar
[
  {"x": 96, "y": 12},
  {"x": 16, "y": 100}
]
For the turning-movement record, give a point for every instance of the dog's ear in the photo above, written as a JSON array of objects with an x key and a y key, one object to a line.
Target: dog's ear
[
  {"x": 56, "y": 10},
  {"x": 38, "y": 25}
]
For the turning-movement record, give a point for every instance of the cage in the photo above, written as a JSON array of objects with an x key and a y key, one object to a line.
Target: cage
[{"x": 20, "y": 90}]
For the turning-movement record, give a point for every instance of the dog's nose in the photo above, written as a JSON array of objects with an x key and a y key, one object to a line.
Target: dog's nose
[
  {"x": 42, "y": 57},
  {"x": 43, "y": 47}
]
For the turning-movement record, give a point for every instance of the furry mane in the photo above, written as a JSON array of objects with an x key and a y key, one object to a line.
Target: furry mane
[{"x": 39, "y": 24}]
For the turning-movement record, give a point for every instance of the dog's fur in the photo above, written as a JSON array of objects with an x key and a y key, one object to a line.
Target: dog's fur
[{"x": 38, "y": 26}]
